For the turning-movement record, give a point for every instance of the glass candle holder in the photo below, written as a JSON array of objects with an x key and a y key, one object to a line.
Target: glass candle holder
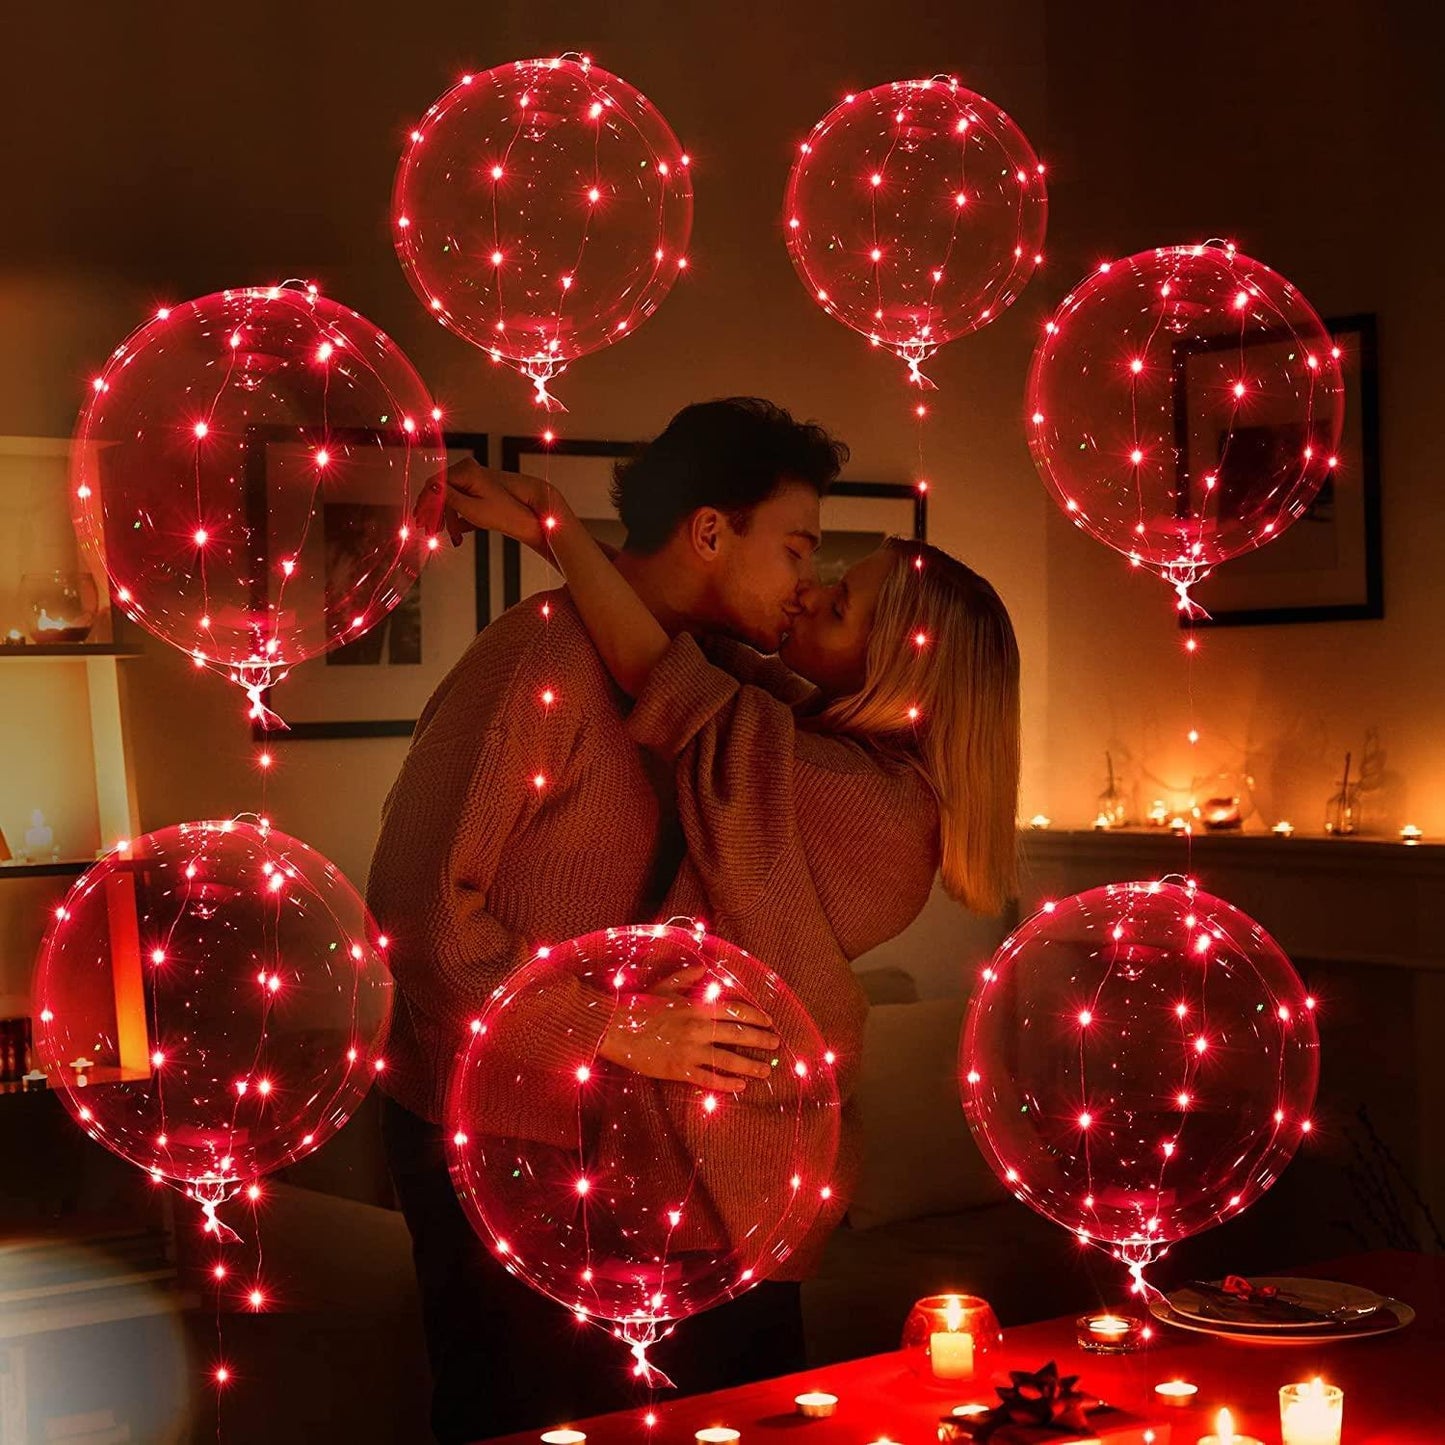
[
  {"x": 62, "y": 605},
  {"x": 949, "y": 1337},
  {"x": 1311, "y": 1414},
  {"x": 1108, "y": 1333}
]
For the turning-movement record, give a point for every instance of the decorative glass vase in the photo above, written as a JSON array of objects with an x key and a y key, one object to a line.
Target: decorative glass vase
[
  {"x": 62, "y": 606},
  {"x": 950, "y": 1337},
  {"x": 1223, "y": 802}
]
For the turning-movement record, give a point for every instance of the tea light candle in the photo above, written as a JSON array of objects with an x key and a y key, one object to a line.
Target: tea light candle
[
  {"x": 816, "y": 1405},
  {"x": 1158, "y": 814},
  {"x": 1311, "y": 1414},
  {"x": 968, "y": 1412},
  {"x": 564, "y": 1437},
  {"x": 1040, "y": 820},
  {"x": 1109, "y": 1334},
  {"x": 718, "y": 1435},
  {"x": 1411, "y": 834},
  {"x": 1176, "y": 1392},
  {"x": 1283, "y": 828},
  {"x": 1224, "y": 1433},
  {"x": 1178, "y": 824}
]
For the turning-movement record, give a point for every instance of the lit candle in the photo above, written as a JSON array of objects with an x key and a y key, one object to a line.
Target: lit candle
[
  {"x": 1411, "y": 834},
  {"x": 563, "y": 1437},
  {"x": 1040, "y": 820},
  {"x": 1103, "y": 821},
  {"x": 1109, "y": 1328},
  {"x": 718, "y": 1435},
  {"x": 1311, "y": 1414},
  {"x": 816, "y": 1405},
  {"x": 1283, "y": 828},
  {"x": 950, "y": 1350},
  {"x": 1178, "y": 824},
  {"x": 969, "y": 1412},
  {"x": 1224, "y": 1433},
  {"x": 1176, "y": 1392},
  {"x": 1158, "y": 814}
]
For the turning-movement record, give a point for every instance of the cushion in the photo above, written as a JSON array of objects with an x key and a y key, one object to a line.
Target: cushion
[{"x": 919, "y": 1158}]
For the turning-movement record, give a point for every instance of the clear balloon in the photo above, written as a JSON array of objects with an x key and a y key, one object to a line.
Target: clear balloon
[
  {"x": 1138, "y": 1063},
  {"x": 630, "y": 1200},
  {"x": 1185, "y": 406},
  {"x": 915, "y": 214},
  {"x": 247, "y": 468},
  {"x": 542, "y": 210},
  {"x": 213, "y": 1003}
]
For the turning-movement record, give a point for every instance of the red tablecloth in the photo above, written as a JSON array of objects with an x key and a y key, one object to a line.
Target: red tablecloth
[{"x": 1394, "y": 1385}]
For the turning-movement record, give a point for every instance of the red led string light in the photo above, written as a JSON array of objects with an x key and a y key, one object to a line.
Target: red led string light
[
  {"x": 1138, "y": 1064},
  {"x": 542, "y": 211},
  {"x": 204, "y": 453}
]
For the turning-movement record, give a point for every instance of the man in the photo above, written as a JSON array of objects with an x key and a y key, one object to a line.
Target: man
[{"x": 524, "y": 815}]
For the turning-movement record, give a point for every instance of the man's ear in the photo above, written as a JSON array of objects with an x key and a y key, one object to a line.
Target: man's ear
[{"x": 705, "y": 531}]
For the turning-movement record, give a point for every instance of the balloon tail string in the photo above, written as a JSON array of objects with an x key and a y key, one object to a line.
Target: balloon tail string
[{"x": 544, "y": 398}]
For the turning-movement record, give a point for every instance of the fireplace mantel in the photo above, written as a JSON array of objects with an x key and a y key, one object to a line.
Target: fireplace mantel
[{"x": 1343, "y": 900}]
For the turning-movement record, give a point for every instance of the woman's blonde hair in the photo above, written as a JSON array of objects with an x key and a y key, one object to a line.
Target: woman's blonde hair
[{"x": 941, "y": 690}]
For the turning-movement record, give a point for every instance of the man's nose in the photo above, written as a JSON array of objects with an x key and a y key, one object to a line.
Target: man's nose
[{"x": 804, "y": 599}]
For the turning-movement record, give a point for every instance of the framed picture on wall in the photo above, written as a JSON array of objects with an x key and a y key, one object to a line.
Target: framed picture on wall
[
  {"x": 582, "y": 472},
  {"x": 856, "y": 516},
  {"x": 1328, "y": 566},
  {"x": 376, "y": 686}
]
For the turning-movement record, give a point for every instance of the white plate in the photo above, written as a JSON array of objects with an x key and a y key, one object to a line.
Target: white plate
[
  {"x": 1398, "y": 1315},
  {"x": 1322, "y": 1295}
]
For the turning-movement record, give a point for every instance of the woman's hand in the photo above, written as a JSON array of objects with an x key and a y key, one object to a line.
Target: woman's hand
[
  {"x": 667, "y": 1035},
  {"x": 479, "y": 498}
]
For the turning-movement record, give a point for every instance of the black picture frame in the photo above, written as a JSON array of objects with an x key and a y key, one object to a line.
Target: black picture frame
[
  {"x": 904, "y": 503},
  {"x": 515, "y": 449},
  {"x": 1252, "y": 595},
  {"x": 477, "y": 445}
]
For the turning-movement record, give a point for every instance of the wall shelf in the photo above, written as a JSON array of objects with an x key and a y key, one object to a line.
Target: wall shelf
[
  {"x": 71, "y": 649},
  {"x": 60, "y": 868}
]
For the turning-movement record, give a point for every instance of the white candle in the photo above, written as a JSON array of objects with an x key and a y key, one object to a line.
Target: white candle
[
  {"x": 1176, "y": 1392},
  {"x": 1224, "y": 1433},
  {"x": 718, "y": 1435},
  {"x": 1109, "y": 1328},
  {"x": 816, "y": 1404},
  {"x": 564, "y": 1437},
  {"x": 1311, "y": 1414},
  {"x": 951, "y": 1354}
]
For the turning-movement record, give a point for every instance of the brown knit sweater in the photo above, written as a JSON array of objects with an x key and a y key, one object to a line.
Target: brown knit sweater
[
  {"x": 804, "y": 848},
  {"x": 475, "y": 866}
]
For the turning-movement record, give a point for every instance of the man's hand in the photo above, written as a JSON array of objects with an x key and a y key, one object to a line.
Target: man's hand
[{"x": 668, "y": 1035}]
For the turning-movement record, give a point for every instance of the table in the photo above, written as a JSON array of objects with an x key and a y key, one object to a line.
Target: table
[{"x": 1394, "y": 1385}]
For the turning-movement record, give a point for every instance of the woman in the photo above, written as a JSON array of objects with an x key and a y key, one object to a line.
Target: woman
[{"x": 821, "y": 793}]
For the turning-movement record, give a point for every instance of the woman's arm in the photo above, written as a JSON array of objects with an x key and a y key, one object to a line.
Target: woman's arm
[{"x": 628, "y": 637}]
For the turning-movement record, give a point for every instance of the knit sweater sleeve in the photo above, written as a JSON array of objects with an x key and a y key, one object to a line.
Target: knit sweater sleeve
[
  {"x": 757, "y": 669},
  {"x": 463, "y": 791},
  {"x": 732, "y": 745}
]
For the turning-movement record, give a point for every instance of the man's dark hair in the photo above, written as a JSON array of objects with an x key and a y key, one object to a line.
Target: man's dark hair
[{"x": 730, "y": 454}]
